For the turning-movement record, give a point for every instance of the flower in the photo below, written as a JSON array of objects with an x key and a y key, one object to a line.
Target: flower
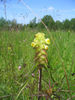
[
  {"x": 33, "y": 44},
  {"x": 39, "y": 34},
  {"x": 9, "y": 48},
  {"x": 47, "y": 41},
  {"x": 19, "y": 67},
  {"x": 46, "y": 47},
  {"x": 41, "y": 45},
  {"x": 40, "y": 41},
  {"x": 33, "y": 75}
]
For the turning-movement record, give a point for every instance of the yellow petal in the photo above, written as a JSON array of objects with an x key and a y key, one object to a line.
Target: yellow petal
[{"x": 33, "y": 44}]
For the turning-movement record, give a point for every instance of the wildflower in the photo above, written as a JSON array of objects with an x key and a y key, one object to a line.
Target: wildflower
[
  {"x": 9, "y": 48},
  {"x": 47, "y": 41},
  {"x": 39, "y": 34},
  {"x": 41, "y": 45},
  {"x": 19, "y": 67},
  {"x": 33, "y": 44},
  {"x": 46, "y": 47},
  {"x": 33, "y": 74}
]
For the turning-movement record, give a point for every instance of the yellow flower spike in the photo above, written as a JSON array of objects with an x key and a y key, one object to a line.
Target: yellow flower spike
[
  {"x": 40, "y": 43},
  {"x": 47, "y": 41}
]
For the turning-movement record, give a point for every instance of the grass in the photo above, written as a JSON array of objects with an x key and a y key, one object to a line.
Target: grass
[{"x": 16, "y": 50}]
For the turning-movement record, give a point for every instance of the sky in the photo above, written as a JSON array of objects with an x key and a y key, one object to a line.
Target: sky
[{"x": 25, "y": 10}]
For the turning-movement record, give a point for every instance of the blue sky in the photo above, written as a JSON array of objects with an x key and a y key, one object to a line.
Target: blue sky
[{"x": 58, "y": 9}]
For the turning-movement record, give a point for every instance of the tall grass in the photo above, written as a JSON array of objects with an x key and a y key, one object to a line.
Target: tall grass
[{"x": 16, "y": 50}]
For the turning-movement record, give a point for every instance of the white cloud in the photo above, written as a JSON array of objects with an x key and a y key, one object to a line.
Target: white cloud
[
  {"x": 51, "y": 8},
  {"x": 48, "y": 9}
]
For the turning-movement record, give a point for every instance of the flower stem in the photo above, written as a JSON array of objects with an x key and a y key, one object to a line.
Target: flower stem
[{"x": 39, "y": 82}]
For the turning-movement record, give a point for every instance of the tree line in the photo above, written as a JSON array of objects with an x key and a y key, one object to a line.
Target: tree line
[{"x": 47, "y": 19}]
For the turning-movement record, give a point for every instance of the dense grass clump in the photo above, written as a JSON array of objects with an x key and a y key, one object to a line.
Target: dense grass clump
[{"x": 17, "y": 65}]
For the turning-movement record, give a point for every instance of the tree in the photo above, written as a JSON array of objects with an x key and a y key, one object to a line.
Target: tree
[
  {"x": 14, "y": 24},
  {"x": 58, "y": 25},
  {"x": 48, "y": 20},
  {"x": 66, "y": 24},
  {"x": 32, "y": 23},
  {"x": 2, "y": 22},
  {"x": 72, "y": 24}
]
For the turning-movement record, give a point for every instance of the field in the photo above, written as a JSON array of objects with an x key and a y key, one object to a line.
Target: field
[{"x": 17, "y": 65}]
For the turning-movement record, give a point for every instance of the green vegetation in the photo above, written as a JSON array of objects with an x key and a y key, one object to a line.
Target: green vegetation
[{"x": 19, "y": 74}]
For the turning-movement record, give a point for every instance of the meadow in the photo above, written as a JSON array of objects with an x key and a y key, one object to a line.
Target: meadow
[{"x": 17, "y": 65}]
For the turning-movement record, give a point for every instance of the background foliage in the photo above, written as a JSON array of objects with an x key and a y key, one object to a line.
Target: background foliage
[{"x": 66, "y": 25}]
